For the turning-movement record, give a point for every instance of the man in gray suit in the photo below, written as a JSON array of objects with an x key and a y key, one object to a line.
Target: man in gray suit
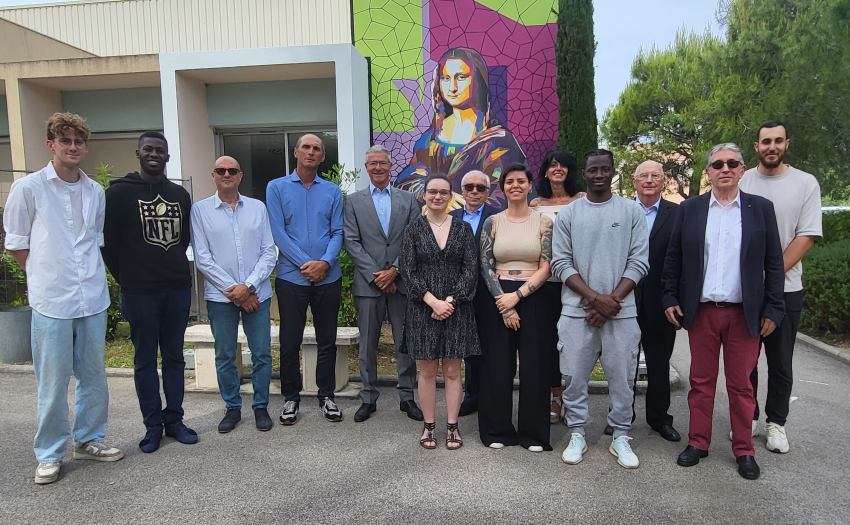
[{"x": 375, "y": 219}]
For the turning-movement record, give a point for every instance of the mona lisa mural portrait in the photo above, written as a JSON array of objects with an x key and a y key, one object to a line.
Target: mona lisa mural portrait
[{"x": 460, "y": 85}]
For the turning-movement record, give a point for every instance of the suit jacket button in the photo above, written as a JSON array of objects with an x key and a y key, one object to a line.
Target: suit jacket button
[{"x": 388, "y": 245}]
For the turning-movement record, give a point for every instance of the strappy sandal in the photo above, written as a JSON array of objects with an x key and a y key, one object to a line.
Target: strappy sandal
[
  {"x": 453, "y": 436},
  {"x": 555, "y": 416},
  {"x": 429, "y": 441}
]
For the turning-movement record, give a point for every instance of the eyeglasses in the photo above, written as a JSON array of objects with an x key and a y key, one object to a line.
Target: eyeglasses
[
  {"x": 718, "y": 164},
  {"x": 231, "y": 171},
  {"x": 66, "y": 142},
  {"x": 648, "y": 176},
  {"x": 442, "y": 193},
  {"x": 480, "y": 188},
  {"x": 375, "y": 164}
]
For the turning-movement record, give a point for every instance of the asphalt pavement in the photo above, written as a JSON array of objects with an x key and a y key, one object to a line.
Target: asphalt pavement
[{"x": 376, "y": 472}]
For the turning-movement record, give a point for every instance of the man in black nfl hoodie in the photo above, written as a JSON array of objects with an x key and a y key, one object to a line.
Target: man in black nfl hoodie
[{"x": 146, "y": 234}]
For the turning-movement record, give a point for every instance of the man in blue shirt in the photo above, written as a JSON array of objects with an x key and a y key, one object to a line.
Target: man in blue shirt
[
  {"x": 476, "y": 191},
  {"x": 305, "y": 212}
]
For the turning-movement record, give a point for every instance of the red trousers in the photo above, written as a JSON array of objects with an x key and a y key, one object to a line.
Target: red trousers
[{"x": 713, "y": 326}]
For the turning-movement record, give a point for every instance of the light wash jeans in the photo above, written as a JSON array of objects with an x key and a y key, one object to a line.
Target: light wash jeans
[
  {"x": 224, "y": 323},
  {"x": 59, "y": 347}
]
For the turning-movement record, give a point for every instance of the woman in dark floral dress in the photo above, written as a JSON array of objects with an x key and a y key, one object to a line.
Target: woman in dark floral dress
[{"x": 440, "y": 269}]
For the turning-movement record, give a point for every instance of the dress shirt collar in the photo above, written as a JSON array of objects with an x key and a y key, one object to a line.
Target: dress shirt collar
[
  {"x": 373, "y": 189},
  {"x": 713, "y": 200},
  {"x": 50, "y": 172},
  {"x": 218, "y": 202},
  {"x": 645, "y": 209},
  {"x": 478, "y": 212},
  {"x": 295, "y": 178}
]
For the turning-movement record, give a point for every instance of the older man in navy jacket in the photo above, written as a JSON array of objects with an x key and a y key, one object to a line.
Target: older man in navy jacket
[{"x": 723, "y": 281}]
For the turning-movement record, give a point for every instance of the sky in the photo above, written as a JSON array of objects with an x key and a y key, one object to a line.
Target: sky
[{"x": 622, "y": 27}]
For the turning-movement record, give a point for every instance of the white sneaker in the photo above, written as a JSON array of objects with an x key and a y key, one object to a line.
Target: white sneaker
[
  {"x": 623, "y": 451},
  {"x": 575, "y": 450},
  {"x": 755, "y": 430},
  {"x": 535, "y": 448},
  {"x": 97, "y": 451},
  {"x": 777, "y": 441},
  {"x": 497, "y": 445},
  {"x": 47, "y": 472}
]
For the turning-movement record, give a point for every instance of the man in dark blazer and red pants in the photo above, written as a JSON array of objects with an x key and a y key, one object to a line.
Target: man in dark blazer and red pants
[
  {"x": 724, "y": 281},
  {"x": 475, "y": 187}
]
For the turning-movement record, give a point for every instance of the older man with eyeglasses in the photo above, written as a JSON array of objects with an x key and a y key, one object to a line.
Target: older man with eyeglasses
[
  {"x": 723, "y": 281},
  {"x": 374, "y": 222},
  {"x": 235, "y": 251},
  {"x": 475, "y": 187}
]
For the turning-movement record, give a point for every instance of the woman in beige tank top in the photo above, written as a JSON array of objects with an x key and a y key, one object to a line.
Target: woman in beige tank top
[
  {"x": 557, "y": 186},
  {"x": 516, "y": 248}
]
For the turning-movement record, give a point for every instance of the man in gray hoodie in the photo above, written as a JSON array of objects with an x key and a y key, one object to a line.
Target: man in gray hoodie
[{"x": 600, "y": 251}]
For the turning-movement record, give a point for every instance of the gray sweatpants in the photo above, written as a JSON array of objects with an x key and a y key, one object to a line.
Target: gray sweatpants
[{"x": 615, "y": 345}]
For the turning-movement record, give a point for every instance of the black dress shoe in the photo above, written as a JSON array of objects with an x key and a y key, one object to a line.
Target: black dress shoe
[
  {"x": 412, "y": 410},
  {"x": 691, "y": 456},
  {"x": 231, "y": 417},
  {"x": 262, "y": 419},
  {"x": 747, "y": 467},
  {"x": 468, "y": 407},
  {"x": 668, "y": 432},
  {"x": 364, "y": 412},
  {"x": 609, "y": 430}
]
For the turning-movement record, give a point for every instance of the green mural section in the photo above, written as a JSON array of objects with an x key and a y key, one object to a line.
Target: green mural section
[
  {"x": 530, "y": 13},
  {"x": 390, "y": 32}
]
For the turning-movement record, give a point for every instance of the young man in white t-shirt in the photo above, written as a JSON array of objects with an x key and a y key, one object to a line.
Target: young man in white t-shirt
[{"x": 796, "y": 198}]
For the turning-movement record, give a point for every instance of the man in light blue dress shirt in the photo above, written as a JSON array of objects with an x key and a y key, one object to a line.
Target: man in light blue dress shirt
[
  {"x": 305, "y": 212},
  {"x": 234, "y": 249}
]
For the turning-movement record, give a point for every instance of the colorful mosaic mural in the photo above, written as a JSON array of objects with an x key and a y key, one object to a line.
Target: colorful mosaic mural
[{"x": 459, "y": 85}]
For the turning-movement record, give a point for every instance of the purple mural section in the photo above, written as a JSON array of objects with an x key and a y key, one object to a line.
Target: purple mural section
[{"x": 465, "y": 40}]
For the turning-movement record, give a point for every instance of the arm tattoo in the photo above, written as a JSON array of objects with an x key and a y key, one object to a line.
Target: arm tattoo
[
  {"x": 531, "y": 287},
  {"x": 488, "y": 260},
  {"x": 546, "y": 238}
]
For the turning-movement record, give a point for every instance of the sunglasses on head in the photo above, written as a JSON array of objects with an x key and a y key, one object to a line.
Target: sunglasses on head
[
  {"x": 478, "y": 187},
  {"x": 231, "y": 171},
  {"x": 718, "y": 164}
]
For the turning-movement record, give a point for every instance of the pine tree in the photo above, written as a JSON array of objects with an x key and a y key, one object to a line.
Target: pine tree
[{"x": 575, "y": 48}]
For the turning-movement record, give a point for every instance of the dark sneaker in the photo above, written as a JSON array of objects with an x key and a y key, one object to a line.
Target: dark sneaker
[
  {"x": 231, "y": 418},
  {"x": 262, "y": 419},
  {"x": 182, "y": 433},
  {"x": 289, "y": 413},
  {"x": 150, "y": 443},
  {"x": 331, "y": 411}
]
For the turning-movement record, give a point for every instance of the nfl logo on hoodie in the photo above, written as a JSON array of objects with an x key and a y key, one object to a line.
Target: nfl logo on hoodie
[{"x": 161, "y": 222}]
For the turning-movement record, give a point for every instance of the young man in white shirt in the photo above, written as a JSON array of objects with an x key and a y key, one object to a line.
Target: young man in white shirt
[
  {"x": 54, "y": 229},
  {"x": 796, "y": 198}
]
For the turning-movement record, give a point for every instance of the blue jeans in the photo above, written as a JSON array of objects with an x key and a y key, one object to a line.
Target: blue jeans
[
  {"x": 60, "y": 346},
  {"x": 224, "y": 322},
  {"x": 157, "y": 326}
]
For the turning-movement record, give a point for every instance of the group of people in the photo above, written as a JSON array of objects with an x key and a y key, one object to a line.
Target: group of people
[{"x": 562, "y": 281}]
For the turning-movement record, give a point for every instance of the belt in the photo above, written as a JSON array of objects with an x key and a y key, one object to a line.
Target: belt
[{"x": 721, "y": 304}]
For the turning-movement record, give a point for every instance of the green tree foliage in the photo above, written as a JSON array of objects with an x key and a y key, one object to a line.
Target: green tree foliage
[
  {"x": 347, "y": 315},
  {"x": 780, "y": 59},
  {"x": 575, "y": 48}
]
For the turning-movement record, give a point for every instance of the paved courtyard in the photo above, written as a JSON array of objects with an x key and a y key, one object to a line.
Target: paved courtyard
[{"x": 375, "y": 472}]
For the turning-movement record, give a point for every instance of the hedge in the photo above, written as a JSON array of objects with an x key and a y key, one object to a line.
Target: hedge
[
  {"x": 836, "y": 227},
  {"x": 826, "y": 274}
]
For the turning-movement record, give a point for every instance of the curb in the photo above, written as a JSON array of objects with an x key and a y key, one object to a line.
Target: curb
[
  {"x": 28, "y": 369},
  {"x": 818, "y": 346}
]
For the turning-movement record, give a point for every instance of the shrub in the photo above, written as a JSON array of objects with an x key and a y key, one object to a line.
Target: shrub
[
  {"x": 836, "y": 227},
  {"x": 827, "y": 294},
  {"x": 347, "y": 313}
]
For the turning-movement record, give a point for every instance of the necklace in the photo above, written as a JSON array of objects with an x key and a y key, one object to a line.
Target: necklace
[{"x": 439, "y": 226}]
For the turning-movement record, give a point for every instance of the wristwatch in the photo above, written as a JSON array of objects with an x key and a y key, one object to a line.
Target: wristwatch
[
  {"x": 251, "y": 287},
  {"x": 450, "y": 299}
]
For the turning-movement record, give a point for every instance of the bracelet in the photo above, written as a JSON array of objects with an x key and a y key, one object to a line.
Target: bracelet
[
  {"x": 518, "y": 293},
  {"x": 595, "y": 298}
]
